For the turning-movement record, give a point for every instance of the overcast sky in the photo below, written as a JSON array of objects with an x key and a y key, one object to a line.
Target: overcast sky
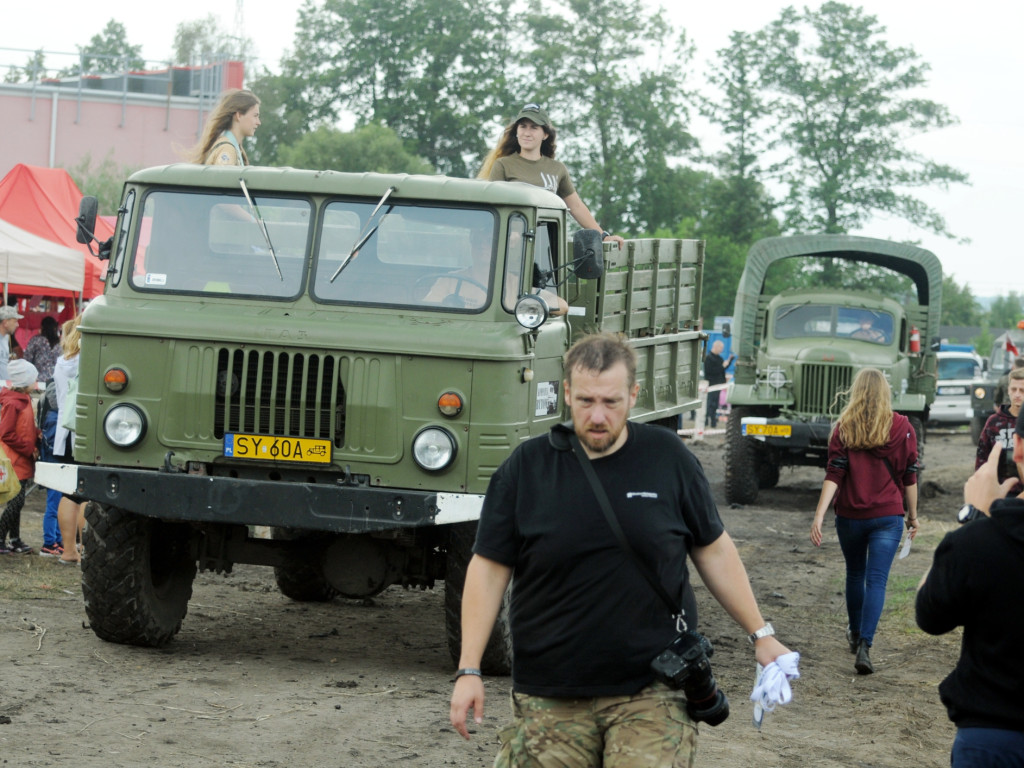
[{"x": 974, "y": 50}]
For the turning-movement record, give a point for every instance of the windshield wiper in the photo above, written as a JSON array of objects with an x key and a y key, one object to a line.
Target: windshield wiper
[
  {"x": 263, "y": 227},
  {"x": 790, "y": 309},
  {"x": 363, "y": 238}
]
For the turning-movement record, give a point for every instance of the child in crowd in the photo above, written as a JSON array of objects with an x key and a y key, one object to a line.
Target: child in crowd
[{"x": 19, "y": 437}]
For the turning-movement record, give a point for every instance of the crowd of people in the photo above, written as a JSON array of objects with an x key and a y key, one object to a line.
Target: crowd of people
[{"x": 34, "y": 392}]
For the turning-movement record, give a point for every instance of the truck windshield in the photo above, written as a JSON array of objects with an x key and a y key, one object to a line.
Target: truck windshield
[
  {"x": 958, "y": 368},
  {"x": 190, "y": 242},
  {"x": 418, "y": 256},
  {"x": 825, "y": 320}
]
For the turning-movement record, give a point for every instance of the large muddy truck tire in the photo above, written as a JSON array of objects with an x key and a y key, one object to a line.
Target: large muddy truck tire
[
  {"x": 497, "y": 658},
  {"x": 137, "y": 576}
]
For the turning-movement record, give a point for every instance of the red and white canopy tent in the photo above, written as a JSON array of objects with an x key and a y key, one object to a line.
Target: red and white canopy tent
[
  {"x": 44, "y": 202},
  {"x": 32, "y": 265}
]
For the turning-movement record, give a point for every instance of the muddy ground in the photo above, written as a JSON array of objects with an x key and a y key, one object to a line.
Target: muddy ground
[{"x": 256, "y": 680}]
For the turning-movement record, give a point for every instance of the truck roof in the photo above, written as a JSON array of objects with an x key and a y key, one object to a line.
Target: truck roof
[
  {"x": 918, "y": 264},
  {"x": 420, "y": 187}
]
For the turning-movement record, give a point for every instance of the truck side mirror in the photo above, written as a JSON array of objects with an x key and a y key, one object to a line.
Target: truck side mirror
[
  {"x": 587, "y": 254},
  {"x": 86, "y": 220},
  {"x": 85, "y": 231}
]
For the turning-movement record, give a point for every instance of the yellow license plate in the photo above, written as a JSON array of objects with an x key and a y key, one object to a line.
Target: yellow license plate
[
  {"x": 768, "y": 430},
  {"x": 269, "y": 448}
]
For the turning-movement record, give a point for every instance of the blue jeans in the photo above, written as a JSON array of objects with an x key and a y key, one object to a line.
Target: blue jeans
[
  {"x": 51, "y": 531},
  {"x": 869, "y": 547},
  {"x": 987, "y": 748}
]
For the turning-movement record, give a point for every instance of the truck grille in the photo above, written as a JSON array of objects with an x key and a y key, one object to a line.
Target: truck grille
[
  {"x": 819, "y": 385},
  {"x": 279, "y": 393}
]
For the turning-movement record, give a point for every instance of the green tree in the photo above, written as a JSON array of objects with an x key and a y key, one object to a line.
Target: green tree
[
  {"x": 105, "y": 181},
  {"x": 743, "y": 209},
  {"x": 1006, "y": 310},
  {"x": 845, "y": 103},
  {"x": 108, "y": 52},
  {"x": 983, "y": 342},
  {"x": 204, "y": 39},
  {"x": 372, "y": 147},
  {"x": 620, "y": 117},
  {"x": 432, "y": 70},
  {"x": 283, "y": 112},
  {"x": 959, "y": 307},
  {"x": 34, "y": 69}
]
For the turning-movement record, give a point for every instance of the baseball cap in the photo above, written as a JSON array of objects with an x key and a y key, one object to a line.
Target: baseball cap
[
  {"x": 22, "y": 373},
  {"x": 534, "y": 113},
  {"x": 9, "y": 313}
]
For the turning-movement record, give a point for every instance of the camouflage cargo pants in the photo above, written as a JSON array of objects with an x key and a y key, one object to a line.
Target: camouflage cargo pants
[{"x": 649, "y": 729}]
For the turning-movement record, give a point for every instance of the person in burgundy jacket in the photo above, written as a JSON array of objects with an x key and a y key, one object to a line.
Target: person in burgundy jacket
[
  {"x": 19, "y": 437},
  {"x": 871, "y": 473}
]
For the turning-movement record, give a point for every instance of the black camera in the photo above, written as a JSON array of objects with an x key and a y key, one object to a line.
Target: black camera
[{"x": 685, "y": 666}]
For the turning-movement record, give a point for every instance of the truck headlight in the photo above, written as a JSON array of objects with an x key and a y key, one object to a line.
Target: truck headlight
[
  {"x": 433, "y": 449},
  {"x": 776, "y": 377},
  {"x": 531, "y": 311},
  {"x": 124, "y": 425}
]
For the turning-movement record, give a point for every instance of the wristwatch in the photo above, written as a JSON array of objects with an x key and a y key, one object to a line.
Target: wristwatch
[
  {"x": 605, "y": 233},
  {"x": 766, "y": 631},
  {"x": 967, "y": 513}
]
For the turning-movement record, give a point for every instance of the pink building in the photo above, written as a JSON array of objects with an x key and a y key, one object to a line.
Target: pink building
[{"x": 138, "y": 118}]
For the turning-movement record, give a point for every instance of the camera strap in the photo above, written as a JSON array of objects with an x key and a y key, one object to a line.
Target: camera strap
[{"x": 646, "y": 571}]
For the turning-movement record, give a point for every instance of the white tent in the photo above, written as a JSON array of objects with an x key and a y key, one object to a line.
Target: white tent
[{"x": 31, "y": 264}]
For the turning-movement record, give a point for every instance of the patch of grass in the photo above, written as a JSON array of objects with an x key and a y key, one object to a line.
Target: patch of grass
[
  {"x": 900, "y": 597},
  {"x": 29, "y": 577}
]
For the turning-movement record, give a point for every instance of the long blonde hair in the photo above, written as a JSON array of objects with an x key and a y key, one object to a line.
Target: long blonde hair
[
  {"x": 233, "y": 101},
  {"x": 508, "y": 144},
  {"x": 866, "y": 421},
  {"x": 71, "y": 338}
]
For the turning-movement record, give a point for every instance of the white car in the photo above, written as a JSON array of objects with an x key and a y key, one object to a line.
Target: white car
[{"x": 956, "y": 372}]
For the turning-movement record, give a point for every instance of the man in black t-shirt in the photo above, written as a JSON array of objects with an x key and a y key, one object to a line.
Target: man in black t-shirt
[{"x": 585, "y": 623}]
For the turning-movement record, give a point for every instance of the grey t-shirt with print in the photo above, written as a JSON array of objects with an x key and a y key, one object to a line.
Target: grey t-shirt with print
[{"x": 547, "y": 173}]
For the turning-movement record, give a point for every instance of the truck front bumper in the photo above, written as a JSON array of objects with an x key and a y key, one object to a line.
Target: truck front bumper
[
  {"x": 787, "y": 435},
  {"x": 309, "y": 506}
]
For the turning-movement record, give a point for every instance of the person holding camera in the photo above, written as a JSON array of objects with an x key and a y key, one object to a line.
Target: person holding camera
[
  {"x": 604, "y": 674},
  {"x": 977, "y": 582},
  {"x": 998, "y": 430}
]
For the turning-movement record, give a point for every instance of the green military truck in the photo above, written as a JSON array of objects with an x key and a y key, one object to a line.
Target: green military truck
[
  {"x": 999, "y": 363},
  {"x": 797, "y": 350},
  {"x": 345, "y": 358}
]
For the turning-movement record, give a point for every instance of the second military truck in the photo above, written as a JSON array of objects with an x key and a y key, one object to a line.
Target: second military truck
[{"x": 796, "y": 351}]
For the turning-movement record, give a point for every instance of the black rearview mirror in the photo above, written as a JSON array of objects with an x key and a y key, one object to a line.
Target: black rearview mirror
[
  {"x": 587, "y": 254},
  {"x": 86, "y": 220}
]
